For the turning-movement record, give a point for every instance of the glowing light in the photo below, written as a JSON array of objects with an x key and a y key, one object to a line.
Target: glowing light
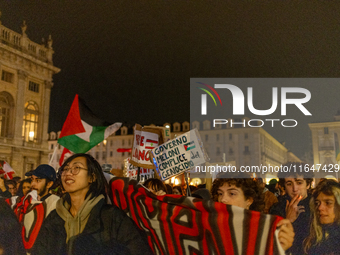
[
  {"x": 167, "y": 126},
  {"x": 31, "y": 134},
  {"x": 196, "y": 181},
  {"x": 104, "y": 142},
  {"x": 176, "y": 181}
]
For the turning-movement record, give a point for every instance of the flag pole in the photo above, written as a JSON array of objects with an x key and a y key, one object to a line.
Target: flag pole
[
  {"x": 54, "y": 152},
  {"x": 138, "y": 174},
  {"x": 187, "y": 182}
]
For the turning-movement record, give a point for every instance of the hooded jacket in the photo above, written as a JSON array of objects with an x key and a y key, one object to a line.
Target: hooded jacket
[{"x": 108, "y": 231}]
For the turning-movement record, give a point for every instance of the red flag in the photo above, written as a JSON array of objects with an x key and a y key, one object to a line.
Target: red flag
[
  {"x": 6, "y": 170},
  {"x": 66, "y": 152},
  {"x": 124, "y": 150}
]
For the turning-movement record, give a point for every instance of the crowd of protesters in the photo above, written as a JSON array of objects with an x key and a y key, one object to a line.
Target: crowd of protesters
[{"x": 79, "y": 218}]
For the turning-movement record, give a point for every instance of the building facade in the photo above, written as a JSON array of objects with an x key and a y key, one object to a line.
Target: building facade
[
  {"x": 244, "y": 146},
  {"x": 325, "y": 139},
  {"x": 26, "y": 70}
]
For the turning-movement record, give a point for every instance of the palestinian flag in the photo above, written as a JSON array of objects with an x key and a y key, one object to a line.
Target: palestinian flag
[
  {"x": 82, "y": 130},
  {"x": 189, "y": 146}
]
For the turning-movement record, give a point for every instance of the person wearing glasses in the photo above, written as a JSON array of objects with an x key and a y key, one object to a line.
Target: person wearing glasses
[{"x": 83, "y": 223}]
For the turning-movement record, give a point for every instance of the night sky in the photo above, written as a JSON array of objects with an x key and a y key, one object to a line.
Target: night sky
[{"x": 131, "y": 61}]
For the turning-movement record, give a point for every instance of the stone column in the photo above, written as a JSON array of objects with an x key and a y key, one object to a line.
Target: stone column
[
  {"x": 20, "y": 107},
  {"x": 45, "y": 113}
]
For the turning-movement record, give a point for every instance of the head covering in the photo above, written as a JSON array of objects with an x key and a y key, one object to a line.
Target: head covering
[{"x": 44, "y": 171}]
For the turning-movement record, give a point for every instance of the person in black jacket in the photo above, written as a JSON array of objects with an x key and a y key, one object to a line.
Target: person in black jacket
[
  {"x": 10, "y": 238},
  {"x": 324, "y": 233},
  {"x": 4, "y": 192},
  {"x": 294, "y": 206},
  {"x": 82, "y": 222}
]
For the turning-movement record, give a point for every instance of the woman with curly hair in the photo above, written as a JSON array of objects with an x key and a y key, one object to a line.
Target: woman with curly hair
[
  {"x": 248, "y": 194},
  {"x": 324, "y": 233}
]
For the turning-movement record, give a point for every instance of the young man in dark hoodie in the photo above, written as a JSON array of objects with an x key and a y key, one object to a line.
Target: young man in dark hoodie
[{"x": 294, "y": 206}]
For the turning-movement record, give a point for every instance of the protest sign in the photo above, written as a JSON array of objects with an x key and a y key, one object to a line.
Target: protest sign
[
  {"x": 131, "y": 172},
  {"x": 167, "y": 133},
  {"x": 145, "y": 139},
  {"x": 179, "y": 155}
]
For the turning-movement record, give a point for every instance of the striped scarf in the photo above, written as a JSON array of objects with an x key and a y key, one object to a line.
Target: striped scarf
[{"x": 177, "y": 224}]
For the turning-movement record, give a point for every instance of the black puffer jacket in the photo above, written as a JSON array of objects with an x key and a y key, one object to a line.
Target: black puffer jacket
[
  {"x": 108, "y": 231},
  {"x": 301, "y": 225}
]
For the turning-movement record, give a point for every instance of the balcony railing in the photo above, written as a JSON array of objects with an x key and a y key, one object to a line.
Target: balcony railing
[{"x": 23, "y": 44}]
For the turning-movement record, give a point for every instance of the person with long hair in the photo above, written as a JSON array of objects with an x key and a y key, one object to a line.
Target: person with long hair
[
  {"x": 324, "y": 232},
  {"x": 83, "y": 223},
  {"x": 24, "y": 187}
]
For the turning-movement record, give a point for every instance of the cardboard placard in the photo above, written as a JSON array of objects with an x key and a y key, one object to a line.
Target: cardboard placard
[
  {"x": 144, "y": 140},
  {"x": 132, "y": 171},
  {"x": 178, "y": 155}
]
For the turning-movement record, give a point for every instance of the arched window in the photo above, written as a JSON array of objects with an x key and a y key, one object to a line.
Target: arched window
[
  {"x": 6, "y": 113},
  {"x": 30, "y": 126}
]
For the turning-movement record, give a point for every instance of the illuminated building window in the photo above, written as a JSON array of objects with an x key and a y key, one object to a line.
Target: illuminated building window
[{"x": 30, "y": 126}]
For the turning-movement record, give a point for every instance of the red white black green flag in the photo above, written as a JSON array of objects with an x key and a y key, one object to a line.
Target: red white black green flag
[{"x": 83, "y": 130}]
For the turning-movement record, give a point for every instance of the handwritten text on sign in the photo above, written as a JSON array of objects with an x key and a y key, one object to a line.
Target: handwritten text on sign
[
  {"x": 178, "y": 155},
  {"x": 143, "y": 142}
]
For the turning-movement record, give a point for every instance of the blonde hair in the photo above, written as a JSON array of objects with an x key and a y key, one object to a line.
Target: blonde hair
[{"x": 329, "y": 188}]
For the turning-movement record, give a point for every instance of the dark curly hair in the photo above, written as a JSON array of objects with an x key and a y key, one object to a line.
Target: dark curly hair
[
  {"x": 155, "y": 184},
  {"x": 250, "y": 187},
  {"x": 307, "y": 175}
]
